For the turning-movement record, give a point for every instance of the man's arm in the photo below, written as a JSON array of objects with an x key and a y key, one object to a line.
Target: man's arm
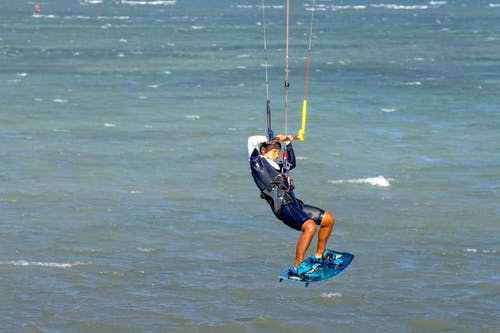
[{"x": 254, "y": 143}]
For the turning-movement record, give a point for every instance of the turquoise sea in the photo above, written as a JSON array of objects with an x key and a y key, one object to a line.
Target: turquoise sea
[{"x": 126, "y": 202}]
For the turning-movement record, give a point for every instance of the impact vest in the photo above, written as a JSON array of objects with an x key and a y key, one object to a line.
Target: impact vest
[{"x": 275, "y": 187}]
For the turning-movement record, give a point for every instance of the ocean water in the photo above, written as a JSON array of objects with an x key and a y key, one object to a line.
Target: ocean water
[{"x": 126, "y": 203}]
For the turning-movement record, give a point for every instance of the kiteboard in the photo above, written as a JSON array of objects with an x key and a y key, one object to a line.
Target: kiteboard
[{"x": 323, "y": 270}]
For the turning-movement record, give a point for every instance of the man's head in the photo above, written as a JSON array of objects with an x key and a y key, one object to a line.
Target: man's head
[{"x": 270, "y": 149}]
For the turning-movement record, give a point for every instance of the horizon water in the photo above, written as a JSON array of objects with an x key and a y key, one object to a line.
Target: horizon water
[{"x": 127, "y": 203}]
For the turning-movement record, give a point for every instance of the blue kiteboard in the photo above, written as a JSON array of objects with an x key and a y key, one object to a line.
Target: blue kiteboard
[{"x": 322, "y": 271}]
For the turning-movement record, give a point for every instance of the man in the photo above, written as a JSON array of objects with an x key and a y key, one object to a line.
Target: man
[{"x": 270, "y": 176}]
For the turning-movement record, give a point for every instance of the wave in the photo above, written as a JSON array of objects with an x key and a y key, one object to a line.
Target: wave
[
  {"x": 379, "y": 181},
  {"x": 40, "y": 264}
]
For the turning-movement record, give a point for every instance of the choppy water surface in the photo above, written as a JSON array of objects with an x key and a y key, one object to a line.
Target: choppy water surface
[{"x": 126, "y": 201}]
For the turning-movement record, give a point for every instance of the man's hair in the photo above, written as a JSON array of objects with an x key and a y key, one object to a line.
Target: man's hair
[{"x": 267, "y": 144}]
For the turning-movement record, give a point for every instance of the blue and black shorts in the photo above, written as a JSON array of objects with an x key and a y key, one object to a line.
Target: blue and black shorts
[{"x": 294, "y": 216}]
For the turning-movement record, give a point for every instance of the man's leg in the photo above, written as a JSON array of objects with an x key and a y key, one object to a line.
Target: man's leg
[
  {"x": 326, "y": 226},
  {"x": 308, "y": 231}
]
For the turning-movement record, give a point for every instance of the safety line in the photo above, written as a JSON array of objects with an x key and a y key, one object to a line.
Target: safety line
[{"x": 287, "y": 83}]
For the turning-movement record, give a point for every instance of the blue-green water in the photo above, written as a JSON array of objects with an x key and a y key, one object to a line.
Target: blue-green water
[{"x": 126, "y": 203}]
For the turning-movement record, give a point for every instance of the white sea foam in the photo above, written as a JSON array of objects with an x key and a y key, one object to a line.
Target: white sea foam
[
  {"x": 403, "y": 7},
  {"x": 379, "y": 181},
  {"x": 473, "y": 250},
  {"x": 244, "y": 6},
  {"x": 192, "y": 117},
  {"x": 331, "y": 295},
  {"x": 438, "y": 3},
  {"x": 412, "y": 83},
  {"x": 494, "y": 5},
  {"x": 78, "y": 17},
  {"x": 388, "y": 110},
  {"x": 356, "y": 7},
  {"x": 45, "y": 16},
  {"x": 258, "y": 6},
  {"x": 113, "y": 17},
  {"x": 40, "y": 264},
  {"x": 148, "y": 3},
  {"x": 145, "y": 249},
  {"x": 383, "y": 6},
  {"x": 318, "y": 8}
]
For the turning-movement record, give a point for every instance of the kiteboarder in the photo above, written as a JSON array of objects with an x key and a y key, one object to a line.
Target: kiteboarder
[
  {"x": 38, "y": 9},
  {"x": 270, "y": 173}
]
